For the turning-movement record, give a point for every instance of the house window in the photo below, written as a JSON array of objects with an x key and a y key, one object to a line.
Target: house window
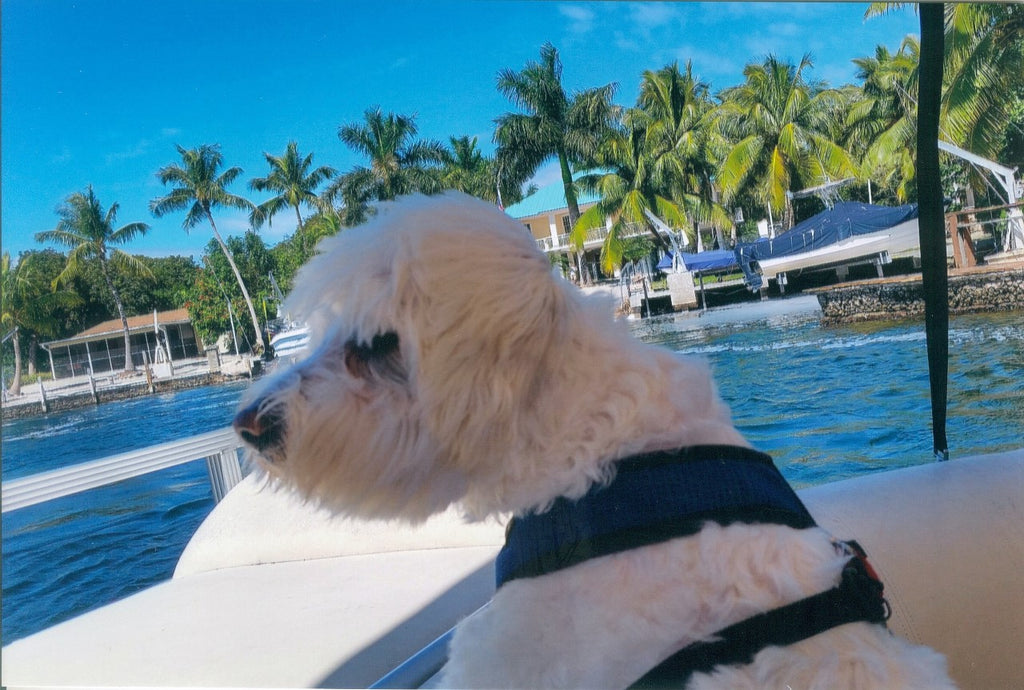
[
  {"x": 528, "y": 228},
  {"x": 566, "y": 226}
]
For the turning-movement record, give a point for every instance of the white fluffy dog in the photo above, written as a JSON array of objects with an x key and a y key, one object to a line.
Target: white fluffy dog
[{"x": 449, "y": 365}]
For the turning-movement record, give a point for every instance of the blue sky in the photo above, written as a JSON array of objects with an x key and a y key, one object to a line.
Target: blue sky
[{"x": 99, "y": 91}]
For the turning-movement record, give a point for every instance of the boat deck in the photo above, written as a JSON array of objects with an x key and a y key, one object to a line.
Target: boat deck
[{"x": 273, "y": 593}]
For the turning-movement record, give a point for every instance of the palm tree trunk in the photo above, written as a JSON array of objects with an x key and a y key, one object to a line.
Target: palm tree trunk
[
  {"x": 298, "y": 217},
  {"x": 241, "y": 283},
  {"x": 15, "y": 388},
  {"x": 33, "y": 348},
  {"x": 129, "y": 365},
  {"x": 570, "y": 189}
]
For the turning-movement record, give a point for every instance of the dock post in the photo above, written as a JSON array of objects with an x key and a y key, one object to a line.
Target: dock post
[
  {"x": 149, "y": 374},
  {"x": 42, "y": 396},
  {"x": 92, "y": 389},
  {"x": 225, "y": 471}
]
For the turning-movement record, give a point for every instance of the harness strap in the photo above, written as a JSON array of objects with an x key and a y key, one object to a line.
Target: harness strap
[
  {"x": 857, "y": 597},
  {"x": 654, "y": 498}
]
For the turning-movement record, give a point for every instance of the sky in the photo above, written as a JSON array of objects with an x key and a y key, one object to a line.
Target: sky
[{"x": 99, "y": 92}]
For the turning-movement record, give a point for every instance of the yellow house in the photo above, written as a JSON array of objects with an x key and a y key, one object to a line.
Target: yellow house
[{"x": 545, "y": 213}]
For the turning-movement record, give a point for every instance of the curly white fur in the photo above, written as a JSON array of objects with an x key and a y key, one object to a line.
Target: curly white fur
[{"x": 507, "y": 389}]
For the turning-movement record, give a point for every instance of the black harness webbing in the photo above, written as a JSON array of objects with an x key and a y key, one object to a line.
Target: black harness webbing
[
  {"x": 661, "y": 496},
  {"x": 653, "y": 498},
  {"x": 857, "y": 598}
]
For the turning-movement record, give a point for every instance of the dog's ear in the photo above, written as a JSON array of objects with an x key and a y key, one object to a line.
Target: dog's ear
[{"x": 492, "y": 319}]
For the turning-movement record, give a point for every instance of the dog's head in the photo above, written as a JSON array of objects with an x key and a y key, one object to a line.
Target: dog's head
[{"x": 434, "y": 328}]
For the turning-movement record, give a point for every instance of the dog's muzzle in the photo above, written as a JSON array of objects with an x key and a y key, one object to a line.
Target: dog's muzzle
[{"x": 261, "y": 427}]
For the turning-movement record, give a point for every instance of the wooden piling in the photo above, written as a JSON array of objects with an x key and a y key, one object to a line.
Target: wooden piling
[{"x": 42, "y": 396}]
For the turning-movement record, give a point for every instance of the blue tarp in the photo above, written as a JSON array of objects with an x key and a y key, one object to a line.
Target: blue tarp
[
  {"x": 846, "y": 219},
  {"x": 711, "y": 260}
]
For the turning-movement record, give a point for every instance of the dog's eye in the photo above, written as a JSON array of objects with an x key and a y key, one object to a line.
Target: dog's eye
[{"x": 380, "y": 358}]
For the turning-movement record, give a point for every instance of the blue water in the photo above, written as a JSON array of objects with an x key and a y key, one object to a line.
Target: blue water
[
  {"x": 76, "y": 553},
  {"x": 827, "y": 403}
]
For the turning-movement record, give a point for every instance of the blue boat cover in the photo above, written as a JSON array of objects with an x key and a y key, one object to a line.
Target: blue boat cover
[
  {"x": 711, "y": 260},
  {"x": 846, "y": 219}
]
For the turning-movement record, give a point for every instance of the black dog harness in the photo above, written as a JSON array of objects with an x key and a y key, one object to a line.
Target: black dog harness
[{"x": 661, "y": 496}]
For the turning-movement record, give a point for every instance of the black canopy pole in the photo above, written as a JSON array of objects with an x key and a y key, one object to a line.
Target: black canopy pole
[{"x": 930, "y": 222}]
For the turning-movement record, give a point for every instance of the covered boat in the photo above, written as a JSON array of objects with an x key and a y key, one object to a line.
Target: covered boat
[{"x": 850, "y": 232}]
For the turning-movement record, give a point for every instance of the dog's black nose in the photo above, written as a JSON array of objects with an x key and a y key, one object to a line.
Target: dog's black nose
[{"x": 260, "y": 428}]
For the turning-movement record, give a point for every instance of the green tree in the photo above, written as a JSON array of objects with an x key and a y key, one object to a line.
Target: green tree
[
  {"x": 294, "y": 251},
  {"x": 779, "y": 122},
  {"x": 553, "y": 124},
  {"x": 199, "y": 188},
  {"x": 465, "y": 168},
  {"x": 89, "y": 231},
  {"x": 398, "y": 162},
  {"x": 631, "y": 190},
  {"x": 294, "y": 183},
  {"x": 983, "y": 71},
  {"x": 166, "y": 289},
  {"x": 28, "y": 303},
  {"x": 882, "y": 122},
  {"x": 676, "y": 111},
  {"x": 215, "y": 287}
]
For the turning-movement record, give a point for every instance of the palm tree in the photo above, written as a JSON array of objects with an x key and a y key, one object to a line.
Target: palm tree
[
  {"x": 30, "y": 303},
  {"x": 200, "y": 188},
  {"x": 882, "y": 122},
  {"x": 293, "y": 181},
  {"x": 466, "y": 169},
  {"x": 983, "y": 64},
  {"x": 677, "y": 110},
  {"x": 983, "y": 67},
  {"x": 89, "y": 232},
  {"x": 632, "y": 189},
  {"x": 553, "y": 124},
  {"x": 15, "y": 288},
  {"x": 399, "y": 164},
  {"x": 779, "y": 122}
]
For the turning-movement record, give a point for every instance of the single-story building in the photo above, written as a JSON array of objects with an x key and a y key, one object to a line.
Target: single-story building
[{"x": 101, "y": 348}]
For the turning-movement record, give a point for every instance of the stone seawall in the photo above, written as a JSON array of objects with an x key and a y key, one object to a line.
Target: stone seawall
[
  {"x": 136, "y": 390},
  {"x": 72, "y": 393},
  {"x": 980, "y": 290}
]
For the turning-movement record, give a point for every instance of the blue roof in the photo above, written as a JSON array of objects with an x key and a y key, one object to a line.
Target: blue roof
[{"x": 550, "y": 197}]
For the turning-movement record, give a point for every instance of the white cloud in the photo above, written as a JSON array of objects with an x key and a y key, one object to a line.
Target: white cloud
[
  {"x": 547, "y": 174},
  {"x": 647, "y": 16},
  {"x": 581, "y": 19}
]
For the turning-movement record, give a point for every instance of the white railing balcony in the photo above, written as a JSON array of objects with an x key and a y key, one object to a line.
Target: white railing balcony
[{"x": 595, "y": 237}]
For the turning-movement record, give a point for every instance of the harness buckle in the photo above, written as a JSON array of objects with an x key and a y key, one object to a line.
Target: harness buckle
[{"x": 862, "y": 587}]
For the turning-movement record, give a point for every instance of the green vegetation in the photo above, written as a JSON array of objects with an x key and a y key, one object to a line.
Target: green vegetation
[
  {"x": 201, "y": 188},
  {"x": 682, "y": 155},
  {"x": 89, "y": 231}
]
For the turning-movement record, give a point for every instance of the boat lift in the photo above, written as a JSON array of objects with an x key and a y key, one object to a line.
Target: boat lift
[{"x": 1014, "y": 239}]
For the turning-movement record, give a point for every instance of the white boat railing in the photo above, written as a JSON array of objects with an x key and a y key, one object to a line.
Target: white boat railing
[{"x": 219, "y": 449}]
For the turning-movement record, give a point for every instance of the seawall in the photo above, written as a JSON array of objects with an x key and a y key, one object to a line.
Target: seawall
[
  {"x": 981, "y": 289},
  {"x": 69, "y": 394}
]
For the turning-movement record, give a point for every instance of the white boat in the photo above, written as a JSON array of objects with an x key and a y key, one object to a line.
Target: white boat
[
  {"x": 847, "y": 234},
  {"x": 290, "y": 342},
  {"x": 271, "y": 592}
]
